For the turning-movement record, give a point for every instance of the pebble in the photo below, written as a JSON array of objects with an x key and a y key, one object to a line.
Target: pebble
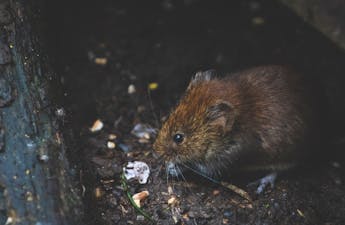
[
  {"x": 101, "y": 61},
  {"x": 98, "y": 192},
  {"x": 125, "y": 148},
  {"x": 131, "y": 89},
  {"x": 228, "y": 213},
  {"x": 138, "y": 197},
  {"x": 97, "y": 126},
  {"x": 140, "y": 218},
  {"x": 172, "y": 200},
  {"x": 153, "y": 86},
  {"x": 112, "y": 137},
  {"x": 111, "y": 145}
]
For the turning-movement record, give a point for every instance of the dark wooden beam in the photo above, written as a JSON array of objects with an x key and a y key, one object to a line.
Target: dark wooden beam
[
  {"x": 326, "y": 16},
  {"x": 35, "y": 181}
]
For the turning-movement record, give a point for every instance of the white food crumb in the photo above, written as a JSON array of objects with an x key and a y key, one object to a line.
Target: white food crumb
[{"x": 138, "y": 170}]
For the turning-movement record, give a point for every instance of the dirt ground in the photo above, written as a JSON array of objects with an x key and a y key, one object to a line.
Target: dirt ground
[{"x": 101, "y": 48}]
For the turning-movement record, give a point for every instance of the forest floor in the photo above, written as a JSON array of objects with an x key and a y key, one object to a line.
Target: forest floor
[{"x": 103, "y": 48}]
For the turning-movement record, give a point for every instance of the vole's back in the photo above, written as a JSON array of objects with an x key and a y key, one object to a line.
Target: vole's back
[
  {"x": 263, "y": 118},
  {"x": 277, "y": 113}
]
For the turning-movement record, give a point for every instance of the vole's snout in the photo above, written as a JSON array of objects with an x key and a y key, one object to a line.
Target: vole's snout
[
  {"x": 165, "y": 150},
  {"x": 169, "y": 156}
]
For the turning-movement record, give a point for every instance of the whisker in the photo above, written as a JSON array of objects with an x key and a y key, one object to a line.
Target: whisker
[
  {"x": 179, "y": 171},
  {"x": 167, "y": 176},
  {"x": 194, "y": 221},
  {"x": 160, "y": 157},
  {"x": 226, "y": 185},
  {"x": 158, "y": 171},
  {"x": 201, "y": 174},
  {"x": 186, "y": 187},
  {"x": 151, "y": 107}
]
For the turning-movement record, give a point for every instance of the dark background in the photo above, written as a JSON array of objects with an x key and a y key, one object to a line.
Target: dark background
[{"x": 167, "y": 42}]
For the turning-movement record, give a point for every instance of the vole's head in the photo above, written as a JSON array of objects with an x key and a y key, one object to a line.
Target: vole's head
[{"x": 196, "y": 129}]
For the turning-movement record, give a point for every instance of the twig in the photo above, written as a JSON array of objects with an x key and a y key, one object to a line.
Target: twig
[
  {"x": 129, "y": 195},
  {"x": 237, "y": 190}
]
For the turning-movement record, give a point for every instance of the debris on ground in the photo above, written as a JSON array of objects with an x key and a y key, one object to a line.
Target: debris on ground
[
  {"x": 138, "y": 197},
  {"x": 143, "y": 131},
  {"x": 138, "y": 170},
  {"x": 153, "y": 86},
  {"x": 157, "y": 54},
  {"x": 97, "y": 126},
  {"x": 111, "y": 145},
  {"x": 131, "y": 89},
  {"x": 101, "y": 61}
]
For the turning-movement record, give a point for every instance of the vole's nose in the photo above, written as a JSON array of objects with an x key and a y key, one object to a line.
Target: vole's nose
[{"x": 171, "y": 150}]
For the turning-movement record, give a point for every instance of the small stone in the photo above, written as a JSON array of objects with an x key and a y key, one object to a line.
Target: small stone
[
  {"x": 172, "y": 200},
  {"x": 101, "y": 61},
  {"x": 227, "y": 213},
  {"x": 9, "y": 220},
  {"x": 29, "y": 196},
  {"x": 44, "y": 158},
  {"x": 143, "y": 131},
  {"x": 131, "y": 89},
  {"x": 138, "y": 197},
  {"x": 140, "y": 218},
  {"x": 98, "y": 192},
  {"x": 141, "y": 108},
  {"x": 170, "y": 190},
  {"x": 125, "y": 148},
  {"x": 97, "y": 126},
  {"x": 111, "y": 145},
  {"x": 153, "y": 86},
  {"x": 112, "y": 137}
]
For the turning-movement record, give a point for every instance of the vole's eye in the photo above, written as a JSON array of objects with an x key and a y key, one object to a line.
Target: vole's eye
[{"x": 178, "y": 138}]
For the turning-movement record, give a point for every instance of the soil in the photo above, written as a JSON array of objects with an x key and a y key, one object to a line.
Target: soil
[{"x": 101, "y": 48}]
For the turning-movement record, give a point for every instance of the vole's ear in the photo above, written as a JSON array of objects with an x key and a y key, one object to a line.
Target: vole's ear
[
  {"x": 202, "y": 76},
  {"x": 221, "y": 115}
]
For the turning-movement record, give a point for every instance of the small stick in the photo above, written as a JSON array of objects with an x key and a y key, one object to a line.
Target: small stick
[
  {"x": 129, "y": 196},
  {"x": 237, "y": 190}
]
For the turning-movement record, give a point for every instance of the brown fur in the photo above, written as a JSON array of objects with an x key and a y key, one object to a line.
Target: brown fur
[{"x": 259, "y": 118}]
